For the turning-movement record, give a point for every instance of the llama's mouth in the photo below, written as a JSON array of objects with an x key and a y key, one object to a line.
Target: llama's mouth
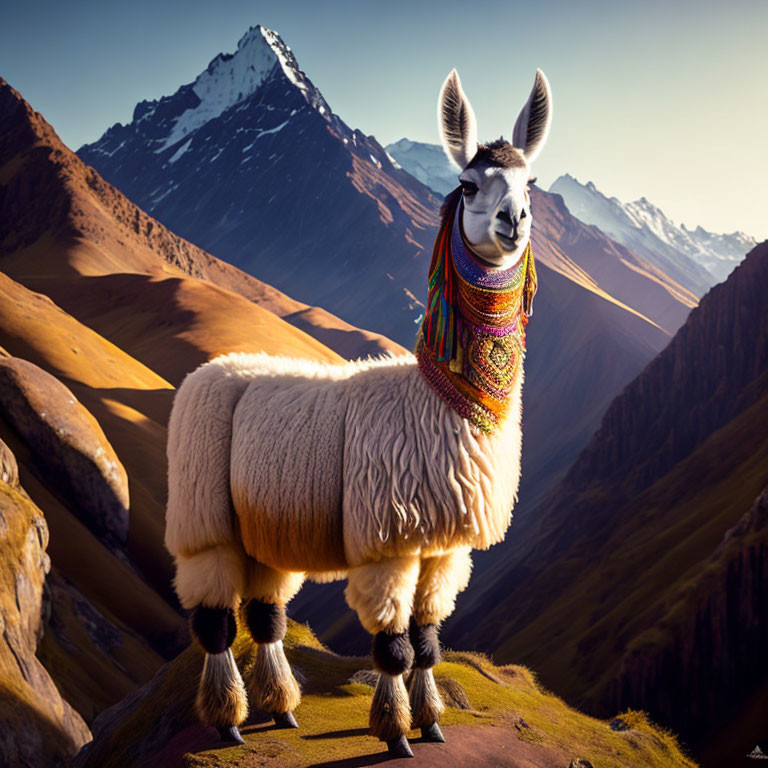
[{"x": 508, "y": 243}]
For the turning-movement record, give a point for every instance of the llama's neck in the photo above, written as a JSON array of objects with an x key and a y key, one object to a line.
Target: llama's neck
[{"x": 472, "y": 340}]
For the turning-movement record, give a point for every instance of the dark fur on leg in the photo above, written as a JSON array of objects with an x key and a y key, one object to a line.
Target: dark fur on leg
[
  {"x": 213, "y": 628},
  {"x": 392, "y": 654},
  {"x": 426, "y": 646},
  {"x": 266, "y": 621}
]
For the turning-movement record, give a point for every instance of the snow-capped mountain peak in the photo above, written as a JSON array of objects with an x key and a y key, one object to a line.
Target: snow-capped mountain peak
[
  {"x": 228, "y": 80},
  {"x": 231, "y": 78}
]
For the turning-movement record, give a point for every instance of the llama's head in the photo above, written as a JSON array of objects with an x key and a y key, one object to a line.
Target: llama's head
[{"x": 496, "y": 213}]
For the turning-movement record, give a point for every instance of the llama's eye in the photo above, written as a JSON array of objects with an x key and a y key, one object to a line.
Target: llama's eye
[{"x": 468, "y": 188}]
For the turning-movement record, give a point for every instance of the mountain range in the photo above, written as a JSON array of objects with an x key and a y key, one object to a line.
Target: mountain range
[
  {"x": 696, "y": 258},
  {"x": 250, "y": 163}
]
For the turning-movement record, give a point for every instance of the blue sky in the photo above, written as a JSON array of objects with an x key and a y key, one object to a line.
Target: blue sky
[{"x": 661, "y": 99}]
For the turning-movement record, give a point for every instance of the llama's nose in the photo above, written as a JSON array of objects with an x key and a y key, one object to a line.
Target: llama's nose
[{"x": 504, "y": 216}]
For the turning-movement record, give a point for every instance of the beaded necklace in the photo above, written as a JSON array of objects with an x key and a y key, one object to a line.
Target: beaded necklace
[{"x": 472, "y": 340}]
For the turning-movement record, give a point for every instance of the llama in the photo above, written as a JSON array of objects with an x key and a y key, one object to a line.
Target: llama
[{"x": 384, "y": 471}]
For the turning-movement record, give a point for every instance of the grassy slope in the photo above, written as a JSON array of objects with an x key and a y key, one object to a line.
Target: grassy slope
[{"x": 515, "y": 715}]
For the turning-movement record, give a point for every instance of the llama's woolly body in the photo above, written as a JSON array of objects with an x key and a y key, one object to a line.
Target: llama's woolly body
[{"x": 313, "y": 467}]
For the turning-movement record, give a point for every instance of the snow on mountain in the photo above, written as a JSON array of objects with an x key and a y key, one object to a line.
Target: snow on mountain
[
  {"x": 696, "y": 258},
  {"x": 229, "y": 79},
  {"x": 427, "y": 162}
]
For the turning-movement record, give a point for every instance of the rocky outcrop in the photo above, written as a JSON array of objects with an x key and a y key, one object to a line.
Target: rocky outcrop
[
  {"x": 68, "y": 446},
  {"x": 37, "y": 727},
  {"x": 9, "y": 470}
]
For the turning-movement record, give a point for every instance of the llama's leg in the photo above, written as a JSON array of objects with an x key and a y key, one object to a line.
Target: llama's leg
[
  {"x": 441, "y": 578},
  {"x": 210, "y": 582},
  {"x": 272, "y": 686},
  {"x": 382, "y": 595}
]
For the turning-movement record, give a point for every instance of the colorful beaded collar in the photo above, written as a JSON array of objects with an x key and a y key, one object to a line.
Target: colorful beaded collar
[{"x": 472, "y": 340}]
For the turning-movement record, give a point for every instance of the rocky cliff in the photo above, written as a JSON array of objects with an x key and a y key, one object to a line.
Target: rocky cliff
[
  {"x": 37, "y": 726},
  {"x": 68, "y": 446}
]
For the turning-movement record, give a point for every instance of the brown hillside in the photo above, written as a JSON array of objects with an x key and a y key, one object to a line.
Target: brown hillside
[{"x": 62, "y": 222}]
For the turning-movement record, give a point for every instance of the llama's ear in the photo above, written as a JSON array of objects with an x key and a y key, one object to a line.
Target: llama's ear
[
  {"x": 532, "y": 124},
  {"x": 456, "y": 122}
]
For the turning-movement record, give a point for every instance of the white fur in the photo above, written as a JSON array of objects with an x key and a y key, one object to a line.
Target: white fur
[
  {"x": 499, "y": 191},
  {"x": 382, "y": 593},
  {"x": 441, "y": 578},
  {"x": 272, "y": 687},
  {"x": 214, "y": 577},
  {"x": 221, "y": 698},
  {"x": 504, "y": 191},
  {"x": 532, "y": 125}
]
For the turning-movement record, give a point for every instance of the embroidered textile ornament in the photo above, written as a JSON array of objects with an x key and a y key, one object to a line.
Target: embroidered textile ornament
[{"x": 472, "y": 340}]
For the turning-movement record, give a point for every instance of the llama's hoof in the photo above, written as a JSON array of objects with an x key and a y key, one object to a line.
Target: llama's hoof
[
  {"x": 286, "y": 720},
  {"x": 230, "y": 735},
  {"x": 399, "y": 748},
  {"x": 432, "y": 733}
]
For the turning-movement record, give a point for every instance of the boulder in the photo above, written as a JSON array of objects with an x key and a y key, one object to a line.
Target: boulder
[{"x": 68, "y": 447}]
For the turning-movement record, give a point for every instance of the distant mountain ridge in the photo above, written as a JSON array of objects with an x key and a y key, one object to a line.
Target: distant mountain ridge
[
  {"x": 697, "y": 258},
  {"x": 427, "y": 162}
]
